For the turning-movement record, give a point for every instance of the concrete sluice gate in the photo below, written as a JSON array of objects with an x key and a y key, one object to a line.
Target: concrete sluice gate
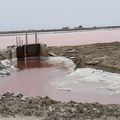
[{"x": 31, "y": 51}]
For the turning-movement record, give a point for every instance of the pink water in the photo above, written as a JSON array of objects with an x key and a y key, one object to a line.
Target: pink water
[
  {"x": 35, "y": 77},
  {"x": 72, "y": 38}
]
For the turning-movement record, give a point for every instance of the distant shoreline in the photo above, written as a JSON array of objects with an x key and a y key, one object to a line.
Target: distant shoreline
[{"x": 64, "y": 29}]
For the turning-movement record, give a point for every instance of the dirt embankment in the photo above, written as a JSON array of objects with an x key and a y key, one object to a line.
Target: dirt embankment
[
  {"x": 105, "y": 56},
  {"x": 47, "y": 109}
]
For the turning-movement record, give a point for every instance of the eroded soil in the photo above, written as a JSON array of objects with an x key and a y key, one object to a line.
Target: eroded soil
[{"x": 104, "y": 56}]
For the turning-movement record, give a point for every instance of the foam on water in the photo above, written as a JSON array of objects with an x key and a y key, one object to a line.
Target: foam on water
[
  {"x": 85, "y": 75},
  {"x": 73, "y": 79},
  {"x": 6, "y": 63},
  {"x": 62, "y": 62},
  {"x": 6, "y": 67},
  {"x": 112, "y": 80},
  {"x": 52, "y": 77}
]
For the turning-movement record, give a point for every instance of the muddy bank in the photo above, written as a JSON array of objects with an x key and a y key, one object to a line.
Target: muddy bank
[
  {"x": 103, "y": 56},
  {"x": 47, "y": 109}
]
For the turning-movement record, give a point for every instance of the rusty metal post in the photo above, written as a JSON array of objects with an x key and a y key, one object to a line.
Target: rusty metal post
[
  {"x": 17, "y": 41},
  {"x": 22, "y": 42},
  {"x": 36, "y": 37},
  {"x": 38, "y": 40},
  {"x": 26, "y": 35}
]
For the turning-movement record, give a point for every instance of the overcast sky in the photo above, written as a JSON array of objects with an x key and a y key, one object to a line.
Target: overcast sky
[{"x": 39, "y": 14}]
